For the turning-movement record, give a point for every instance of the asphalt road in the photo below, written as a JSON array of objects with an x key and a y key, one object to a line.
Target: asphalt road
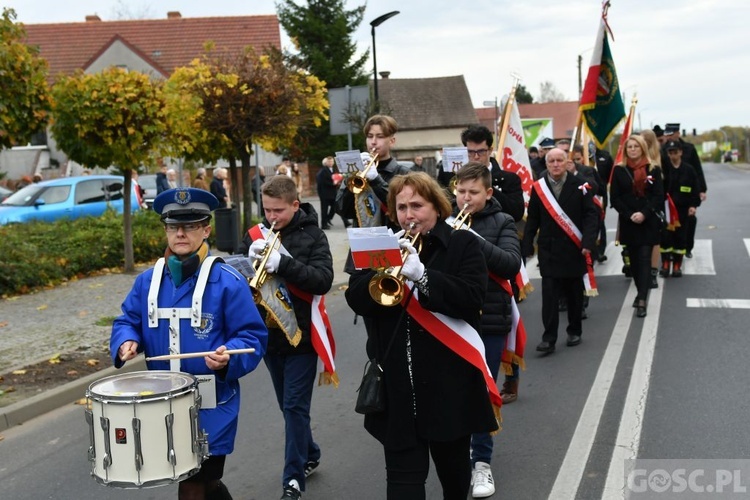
[{"x": 671, "y": 386}]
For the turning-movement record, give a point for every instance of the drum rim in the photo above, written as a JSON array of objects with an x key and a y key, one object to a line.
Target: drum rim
[
  {"x": 96, "y": 396},
  {"x": 130, "y": 485}
]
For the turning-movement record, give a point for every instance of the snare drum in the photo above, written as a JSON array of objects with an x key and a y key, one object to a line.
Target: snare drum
[{"x": 144, "y": 429}]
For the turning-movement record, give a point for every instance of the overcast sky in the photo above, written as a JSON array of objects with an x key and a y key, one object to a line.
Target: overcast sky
[{"x": 687, "y": 60}]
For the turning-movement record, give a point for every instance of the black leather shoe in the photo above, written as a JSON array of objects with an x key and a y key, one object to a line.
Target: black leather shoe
[
  {"x": 546, "y": 347},
  {"x": 689, "y": 255},
  {"x": 640, "y": 311},
  {"x": 573, "y": 340}
]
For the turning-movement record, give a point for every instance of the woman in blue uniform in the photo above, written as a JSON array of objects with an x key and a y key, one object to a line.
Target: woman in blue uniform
[{"x": 228, "y": 320}]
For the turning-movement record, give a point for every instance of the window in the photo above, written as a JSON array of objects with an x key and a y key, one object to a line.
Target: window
[
  {"x": 55, "y": 194},
  {"x": 89, "y": 192},
  {"x": 114, "y": 190}
]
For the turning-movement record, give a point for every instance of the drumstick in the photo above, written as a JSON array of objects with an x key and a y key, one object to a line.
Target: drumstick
[{"x": 187, "y": 355}]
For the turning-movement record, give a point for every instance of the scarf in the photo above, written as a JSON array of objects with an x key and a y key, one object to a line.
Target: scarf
[
  {"x": 182, "y": 269},
  {"x": 639, "y": 175}
]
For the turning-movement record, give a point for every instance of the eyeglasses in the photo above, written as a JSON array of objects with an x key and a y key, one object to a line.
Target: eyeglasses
[
  {"x": 477, "y": 152},
  {"x": 186, "y": 228}
]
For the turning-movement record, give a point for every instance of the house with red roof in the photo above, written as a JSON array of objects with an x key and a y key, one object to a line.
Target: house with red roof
[{"x": 152, "y": 46}]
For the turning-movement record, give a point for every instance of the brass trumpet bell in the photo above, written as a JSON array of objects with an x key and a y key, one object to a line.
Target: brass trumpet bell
[
  {"x": 358, "y": 182},
  {"x": 387, "y": 287}
]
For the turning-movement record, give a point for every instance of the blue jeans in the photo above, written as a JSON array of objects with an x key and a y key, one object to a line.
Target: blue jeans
[
  {"x": 293, "y": 379},
  {"x": 481, "y": 443}
]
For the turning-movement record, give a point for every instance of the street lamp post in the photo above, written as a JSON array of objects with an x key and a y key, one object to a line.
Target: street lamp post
[{"x": 375, "y": 23}]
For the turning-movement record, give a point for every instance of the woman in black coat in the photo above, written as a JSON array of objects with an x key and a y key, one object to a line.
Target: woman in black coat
[
  {"x": 435, "y": 399},
  {"x": 637, "y": 193}
]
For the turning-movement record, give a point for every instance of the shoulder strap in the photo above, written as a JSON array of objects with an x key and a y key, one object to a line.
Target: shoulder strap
[
  {"x": 153, "y": 293},
  {"x": 200, "y": 287}
]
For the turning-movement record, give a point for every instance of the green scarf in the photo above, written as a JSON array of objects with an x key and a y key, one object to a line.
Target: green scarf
[{"x": 183, "y": 269}]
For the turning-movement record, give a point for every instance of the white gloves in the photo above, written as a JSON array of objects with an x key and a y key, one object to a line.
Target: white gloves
[
  {"x": 256, "y": 251},
  {"x": 412, "y": 267},
  {"x": 372, "y": 173},
  {"x": 272, "y": 264},
  {"x": 256, "y": 248}
]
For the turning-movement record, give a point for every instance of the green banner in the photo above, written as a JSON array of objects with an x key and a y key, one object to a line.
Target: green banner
[{"x": 609, "y": 110}]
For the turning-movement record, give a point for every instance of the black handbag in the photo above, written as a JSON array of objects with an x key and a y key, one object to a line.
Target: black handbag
[{"x": 371, "y": 391}]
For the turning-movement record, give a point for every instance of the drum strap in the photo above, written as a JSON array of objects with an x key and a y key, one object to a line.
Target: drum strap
[{"x": 175, "y": 314}]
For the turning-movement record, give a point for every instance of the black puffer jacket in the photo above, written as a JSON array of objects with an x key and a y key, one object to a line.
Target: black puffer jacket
[
  {"x": 310, "y": 269},
  {"x": 502, "y": 252}
]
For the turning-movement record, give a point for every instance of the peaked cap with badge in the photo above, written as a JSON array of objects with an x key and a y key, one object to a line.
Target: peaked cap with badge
[{"x": 185, "y": 205}]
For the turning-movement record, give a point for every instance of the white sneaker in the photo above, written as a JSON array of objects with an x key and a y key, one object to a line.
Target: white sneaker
[{"x": 483, "y": 485}]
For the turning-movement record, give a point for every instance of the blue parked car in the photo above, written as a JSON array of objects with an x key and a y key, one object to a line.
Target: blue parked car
[{"x": 67, "y": 197}]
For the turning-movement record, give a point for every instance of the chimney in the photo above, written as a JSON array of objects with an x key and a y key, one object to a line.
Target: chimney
[
  {"x": 385, "y": 74},
  {"x": 93, "y": 18},
  {"x": 174, "y": 14}
]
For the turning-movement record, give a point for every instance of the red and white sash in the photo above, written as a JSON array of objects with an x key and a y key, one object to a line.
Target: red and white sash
[
  {"x": 458, "y": 336},
  {"x": 515, "y": 342},
  {"x": 569, "y": 228},
  {"x": 523, "y": 282},
  {"x": 321, "y": 332}
]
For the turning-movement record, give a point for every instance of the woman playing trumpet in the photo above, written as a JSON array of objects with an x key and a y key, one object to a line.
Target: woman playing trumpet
[{"x": 436, "y": 397}]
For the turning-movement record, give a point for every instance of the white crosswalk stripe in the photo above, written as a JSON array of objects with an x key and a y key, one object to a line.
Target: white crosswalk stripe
[{"x": 702, "y": 263}]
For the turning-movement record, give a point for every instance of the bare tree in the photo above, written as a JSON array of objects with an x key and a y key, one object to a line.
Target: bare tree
[
  {"x": 123, "y": 11},
  {"x": 549, "y": 93}
]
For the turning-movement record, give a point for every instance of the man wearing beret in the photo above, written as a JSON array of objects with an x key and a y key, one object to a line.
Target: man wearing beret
[{"x": 191, "y": 302}]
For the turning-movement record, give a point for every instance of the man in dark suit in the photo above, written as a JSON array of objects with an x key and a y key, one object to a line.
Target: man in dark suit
[
  {"x": 556, "y": 198},
  {"x": 327, "y": 189}
]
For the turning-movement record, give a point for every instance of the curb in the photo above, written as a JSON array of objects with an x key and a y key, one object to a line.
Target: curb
[{"x": 23, "y": 411}]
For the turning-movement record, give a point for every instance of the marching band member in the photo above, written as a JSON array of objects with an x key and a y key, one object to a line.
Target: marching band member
[
  {"x": 438, "y": 388},
  {"x": 226, "y": 318},
  {"x": 303, "y": 272},
  {"x": 562, "y": 211},
  {"x": 502, "y": 251}
]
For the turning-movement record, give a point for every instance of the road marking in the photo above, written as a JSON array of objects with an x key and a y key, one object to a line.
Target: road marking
[
  {"x": 571, "y": 471},
  {"x": 747, "y": 245},
  {"x": 702, "y": 261},
  {"x": 631, "y": 421},
  {"x": 720, "y": 303}
]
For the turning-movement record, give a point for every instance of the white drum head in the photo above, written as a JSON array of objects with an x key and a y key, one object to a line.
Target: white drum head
[{"x": 142, "y": 385}]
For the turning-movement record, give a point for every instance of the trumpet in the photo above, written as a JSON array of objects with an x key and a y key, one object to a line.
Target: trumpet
[
  {"x": 387, "y": 287},
  {"x": 358, "y": 182},
  {"x": 261, "y": 275},
  {"x": 463, "y": 218}
]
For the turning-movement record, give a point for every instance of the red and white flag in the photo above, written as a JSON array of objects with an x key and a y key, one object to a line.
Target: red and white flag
[{"x": 514, "y": 157}]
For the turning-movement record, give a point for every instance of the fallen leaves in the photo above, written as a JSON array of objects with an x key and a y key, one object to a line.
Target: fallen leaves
[
  {"x": 92, "y": 362},
  {"x": 55, "y": 360},
  {"x": 42, "y": 307},
  {"x": 19, "y": 372},
  {"x": 3, "y": 323}
]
